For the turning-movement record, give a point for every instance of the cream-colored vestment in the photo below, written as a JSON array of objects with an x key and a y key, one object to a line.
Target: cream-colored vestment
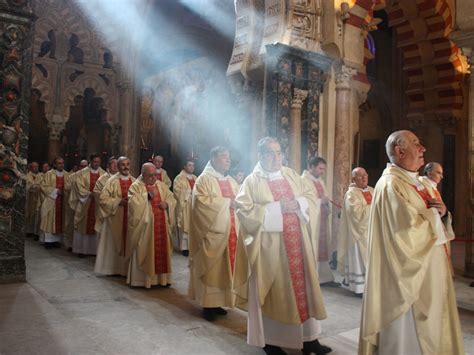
[
  {"x": 33, "y": 191},
  {"x": 141, "y": 243},
  {"x": 352, "y": 240},
  {"x": 408, "y": 280},
  {"x": 211, "y": 274},
  {"x": 276, "y": 277},
  {"x": 182, "y": 189}
]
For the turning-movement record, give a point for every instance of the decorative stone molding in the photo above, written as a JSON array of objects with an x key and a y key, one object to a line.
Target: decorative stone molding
[
  {"x": 343, "y": 77},
  {"x": 298, "y": 97},
  {"x": 56, "y": 124}
]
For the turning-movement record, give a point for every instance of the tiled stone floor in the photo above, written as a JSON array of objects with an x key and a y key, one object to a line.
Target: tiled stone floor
[{"x": 64, "y": 308}]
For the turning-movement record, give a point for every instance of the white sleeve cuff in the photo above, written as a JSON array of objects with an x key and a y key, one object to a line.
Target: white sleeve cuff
[
  {"x": 84, "y": 199},
  {"x": 54, "y": 194},
  {"x": 303, "y": 212},
  {"x": 273, "y": 221}
]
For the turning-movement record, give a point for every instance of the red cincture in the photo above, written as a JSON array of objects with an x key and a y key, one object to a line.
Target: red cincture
[
  {"x": 90, "y": 229},
  {"x": 58, "y": 220},
  {"x": 292, "y": 236},
  {"x": 323, "y": 245},
  {"x": 124, "y": 186},
  {"x": 160, "y": 233},
  {"x": 425, "y": 195},
  {"x": 367, "y": 197},
  {"x": 228, "y": 192}
]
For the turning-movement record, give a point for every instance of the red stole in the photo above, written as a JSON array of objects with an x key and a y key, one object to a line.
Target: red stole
[
  {"x": 58, "y": 220},
  {"x": 160, "y": 233},
  {"x": 124, "y": 186},
  {"x": 228, "y": 192},
  {"x": 191, "y": 183},
  {"x": 281, "y": 189},
  {"x": 425, "y": 195},
  {"x": 367, "y": 196},
  {"x": 91, "y": 210},
  {"x": 323, "y": 245}
]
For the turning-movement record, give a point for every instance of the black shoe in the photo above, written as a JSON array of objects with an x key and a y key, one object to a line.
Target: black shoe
[
  {"x": 209, "y": 314},
  {"x": 48, "y": 245},
  {"x": 185, "y": 252},
  {"x": 80, "y": 255},
  {"x": 273, "y": 350},
  {"x": 69, "y": 249},
  {"x": 220, "y": 311},
  {"x": 315, "y": 347},
  {"x": 57, "y": 244},
  {"x": 36, "y": 238},
  {"x": 472, "y": 284}
]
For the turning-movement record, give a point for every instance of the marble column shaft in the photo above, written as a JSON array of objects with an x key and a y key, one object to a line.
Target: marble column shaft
[{"x": 295, "y": 128}]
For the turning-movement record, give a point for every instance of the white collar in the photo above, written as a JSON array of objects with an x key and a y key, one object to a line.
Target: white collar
[
  {"x": 209, "y": 169},
  {"x": 59, "y": 173},
  {"x": 271, "y": 175}
]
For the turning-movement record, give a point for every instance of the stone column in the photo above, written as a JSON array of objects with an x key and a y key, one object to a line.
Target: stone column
[
  {"x": 342, "y": 140},
  {"x": 295, "y": 128},
  {"x": 465, "y": 40},
  {"x": 16, "y": 20},
  {"x": 56, "y": 124}
]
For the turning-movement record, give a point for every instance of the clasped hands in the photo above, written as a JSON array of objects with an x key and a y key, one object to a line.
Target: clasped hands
[
  {"x": 289, "y": 205},
  {"x": 439, "y": 205}
]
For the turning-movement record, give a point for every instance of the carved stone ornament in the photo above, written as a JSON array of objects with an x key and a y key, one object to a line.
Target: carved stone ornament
[
  {"x": 298, "y": 97},
  {"x": 344, "y": 76},
  {"x": 56, "y": 125}
]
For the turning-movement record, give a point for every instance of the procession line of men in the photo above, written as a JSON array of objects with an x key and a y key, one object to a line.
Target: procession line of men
[{"x": 265, "y": 246}]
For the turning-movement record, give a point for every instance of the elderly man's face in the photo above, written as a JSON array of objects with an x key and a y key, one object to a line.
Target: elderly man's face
[
  {"x": 150, "y": 176},
  {"x": 45, "y": 168},
  {"x": 271, "y": 158},
  {"x": 221, "y": 162},
  {"x": 436, "y": 174},
  {"x": 113, "y": 168},
  {"x": 158, "y": 161},
  {"x": 124, "y": 167},
  {"x": 411, "y": 157},
  {"x": 361, "y": 178}
]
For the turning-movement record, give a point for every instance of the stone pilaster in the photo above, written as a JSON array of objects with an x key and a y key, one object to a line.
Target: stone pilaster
[
  {"x": 16, "y": 20},
  {"x": 465, "y": 40},
  {"x": 342, "y": 140},
  {"x": 295, "y": 128},
  {"x": 56, "y": 124}
]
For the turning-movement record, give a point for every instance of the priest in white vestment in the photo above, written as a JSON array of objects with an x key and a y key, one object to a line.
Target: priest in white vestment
[
  {"x": 113, "y": 203},
  {"x": 82, "y": 196},
  {"x": 162, "y": 175},
  {"x": 151, "y": 207},
  {"x": 352, "y": 240},
  {"x": 276, "y": 277},
  {"x": 183, "y": 188},
  {"x": 321, "y": 218},
  {"x": 213, "y": 238},
  {"x": 52, "y": 207},
  {"x": 409, "y": 303},
  {"x": 112, "y": 169}
]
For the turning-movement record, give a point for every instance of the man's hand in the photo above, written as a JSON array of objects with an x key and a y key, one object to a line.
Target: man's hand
[
  {"x": 289, "y": 206},
  {"x": 123, "y": 202},
  {"x": 59, "y": 192},
  {"x": 163, "y": 205},
  {"x": 439, "y": 205}
]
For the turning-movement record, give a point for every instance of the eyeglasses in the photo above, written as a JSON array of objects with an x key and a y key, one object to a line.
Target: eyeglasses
[{"x": 272, "y": 153}]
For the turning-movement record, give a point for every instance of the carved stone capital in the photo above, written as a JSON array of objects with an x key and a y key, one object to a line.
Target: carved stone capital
[
  {"x": 298, "y": 97},
  {"x": 344, "y": 76},
  {"x": 56, "y": 124}
]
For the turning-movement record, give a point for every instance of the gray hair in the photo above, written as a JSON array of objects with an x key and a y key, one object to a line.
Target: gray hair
[
  {"x": 397, "y": 138},
  {"x": 217, "y": 151},
  {"x": 429, "y": 167},
  {"x": 262, "y": 144},
  {"x": 121, "y": 159},
  {"x": 145, "y": 166}
]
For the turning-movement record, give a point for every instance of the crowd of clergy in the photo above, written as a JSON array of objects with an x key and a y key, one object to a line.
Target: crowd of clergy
[{"x": 264, "y": 244}]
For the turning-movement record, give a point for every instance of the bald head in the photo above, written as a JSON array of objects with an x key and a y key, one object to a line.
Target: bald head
[
  {"x": 83, "y": 164},
  {"x": 405, "y": 150},
  {"x": 149, "y": 175},
  {"x": 360, "y": 177}
]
